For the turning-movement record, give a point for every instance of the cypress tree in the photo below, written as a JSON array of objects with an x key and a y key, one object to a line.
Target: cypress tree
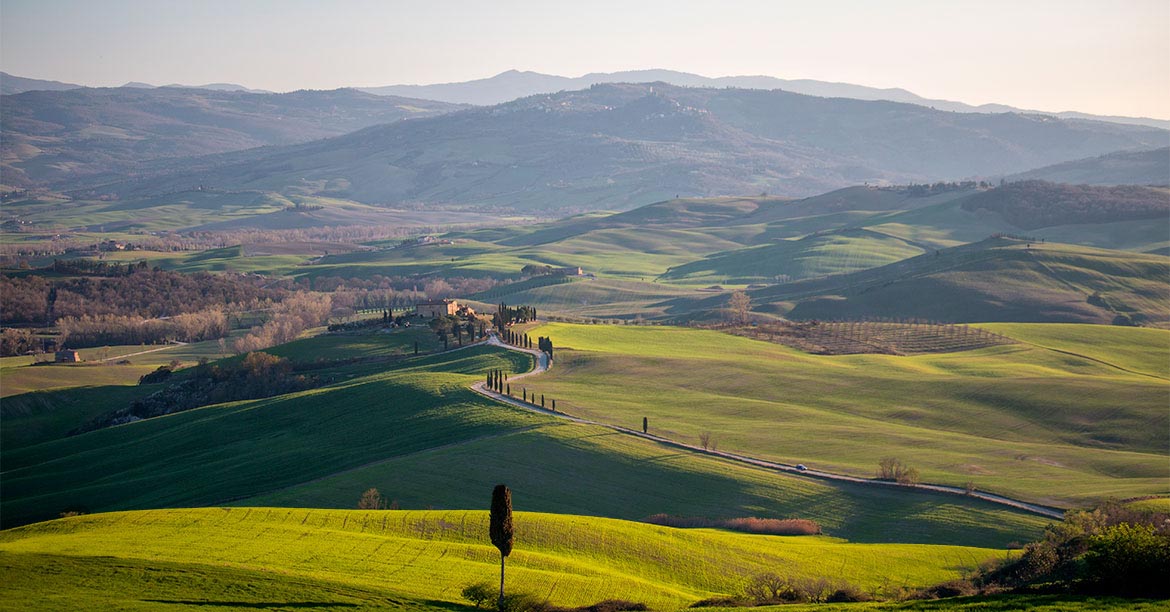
[
  {"x": 645, "y": 424},
  {"x": 509, "y": 390},
  {"x": 500, "y": 529}
]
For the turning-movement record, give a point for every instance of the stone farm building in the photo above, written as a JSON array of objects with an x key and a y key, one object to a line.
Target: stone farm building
[
  {"x": 437, "y": 308},
  {"x": 68, "y": 356}
]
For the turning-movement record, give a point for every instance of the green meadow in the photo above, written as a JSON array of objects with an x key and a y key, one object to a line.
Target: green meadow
[
  {"x": 430, "y": 556},
  {"x": 409, "y": 426},
  {"x": 1059, "y": 427}
]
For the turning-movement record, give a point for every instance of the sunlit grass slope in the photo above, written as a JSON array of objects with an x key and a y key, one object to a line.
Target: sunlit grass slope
[
  {"x": 1046, "y": 426},
  {"x": 432, "y": 555},
  {"x": 411, "y": 428}
]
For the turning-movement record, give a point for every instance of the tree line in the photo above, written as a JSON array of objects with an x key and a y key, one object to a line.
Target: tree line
[
  {"x": 255, "y": 376},
  {"x": 1037, "y": 204},
  {"x": 507, "y": 315},
  {"x": 137, "y": 292}
]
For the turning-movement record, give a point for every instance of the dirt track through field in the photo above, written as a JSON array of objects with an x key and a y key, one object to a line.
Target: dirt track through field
[{"x": 543, "y": 364}]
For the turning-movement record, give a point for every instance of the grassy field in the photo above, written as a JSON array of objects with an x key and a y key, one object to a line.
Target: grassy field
[
  {"x": 432, "y": 555},
  {"x": 218, "y": 453},
  {"x": 411, "y": 427},
  {"x": 1037, "y": 424},
  {"x": 577, "y": 469},
  {"x": 808, "y": 257},
  {"x": 998, "y": 279}
]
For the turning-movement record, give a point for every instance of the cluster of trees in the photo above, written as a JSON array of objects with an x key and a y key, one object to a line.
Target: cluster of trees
[
  {"x": 371, "y": 499},
  {"x": 386, "y": 320},
  {"x": 105, "y": 329},
  {"x": 1114, "y": 549},
  {"x": 516, "y": 339},
  {"x": 451, "y": 325},
  {"x": 290, "y": 317},
  {"x": 545, "y": 344},
  {"x": 15, "y": 341},
  {"x": 927, "y": 189},
  {"x": 497, "y": 380},
  {"x": 892, "y": 468},
  {"x": 378, "y": 291},
  {"x": 256, "y": 376},
  {"x": 536, "y": 270},
  {"x": 36, "y": 300},
  {"x": 1036, "y": 204},
  {"x": 507, "y": 315}
]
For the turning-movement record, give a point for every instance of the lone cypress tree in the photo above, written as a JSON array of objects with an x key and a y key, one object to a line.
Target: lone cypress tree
[
  {"x": 645, "y": 424},
  {"x": 500, "y": 529}
]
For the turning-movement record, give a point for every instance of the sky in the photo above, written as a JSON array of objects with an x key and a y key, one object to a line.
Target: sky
[{"x": 1103, "y": 57}]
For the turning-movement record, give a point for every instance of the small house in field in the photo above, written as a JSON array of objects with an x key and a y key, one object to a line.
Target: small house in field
[
  {"x": 68, "y": 356},
  {"x": 569, "y": 271},
  {"x": 436, "y": 309}
]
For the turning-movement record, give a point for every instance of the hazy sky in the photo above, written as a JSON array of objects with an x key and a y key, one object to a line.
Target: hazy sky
[{"x": 1107, "y": 57}]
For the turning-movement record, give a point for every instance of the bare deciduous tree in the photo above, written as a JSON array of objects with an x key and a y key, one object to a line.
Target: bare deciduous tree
[
  {"x": 372, "y": 500},
  {"x": 740, "y": 305}
]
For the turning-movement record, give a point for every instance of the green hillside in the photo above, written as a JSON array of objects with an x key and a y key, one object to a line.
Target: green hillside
[
  {"x": 1000, "y": 418},
  {"x": 412, "y": 428},
  {"x": 809, "y": 257},
  {"x": 997, "y": 279},
  {"x": 421, "y": 556}
]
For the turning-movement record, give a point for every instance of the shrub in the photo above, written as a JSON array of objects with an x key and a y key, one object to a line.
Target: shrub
[
  {"x": 848, "y": 594},
  {"x": 616, "y": 605},
  {"x": 746, "y": 524},
  {"x": 1130, "y": 560},
  {"x": 892, "y": 468},
  {"x": 522, "y": 602},
  {"x": 479, "y": 593},
  {"x": 773, "y": 526},
  {"x": 161, "y": 374},
  {"x": 722, "y": 602},
  {"x": 951, "y": 588},
  {"x": 767, "y": 588}
]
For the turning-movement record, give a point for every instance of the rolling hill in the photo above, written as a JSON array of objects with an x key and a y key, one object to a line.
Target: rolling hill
[
  {"x": 1120, "y": 168},
  {"x": 998, "y": 279},
  {"x": 12, "y": 84},
  {"x": 999, "y": 419},
  {"x": 62, "y": 138},
  {"x": 423, "y": 559},
  {"x": 619, "y": 146},
  {"x": 412, "y": 428}
]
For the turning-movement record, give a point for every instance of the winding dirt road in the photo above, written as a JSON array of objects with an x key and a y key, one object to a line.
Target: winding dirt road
[{"x": 543, "y": 364}]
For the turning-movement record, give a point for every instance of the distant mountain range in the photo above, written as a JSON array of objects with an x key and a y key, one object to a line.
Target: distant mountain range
[
  {"x": 12, "y": 84},
  {"x": 210, "y": 86},
  {"x": 63, "y": 137},
  {"x": 619, "y": 146},
  {"x": 516, "y": 84}
]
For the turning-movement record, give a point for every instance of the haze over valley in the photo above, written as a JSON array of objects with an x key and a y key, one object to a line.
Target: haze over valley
[{"x": 276, "y": 333}]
